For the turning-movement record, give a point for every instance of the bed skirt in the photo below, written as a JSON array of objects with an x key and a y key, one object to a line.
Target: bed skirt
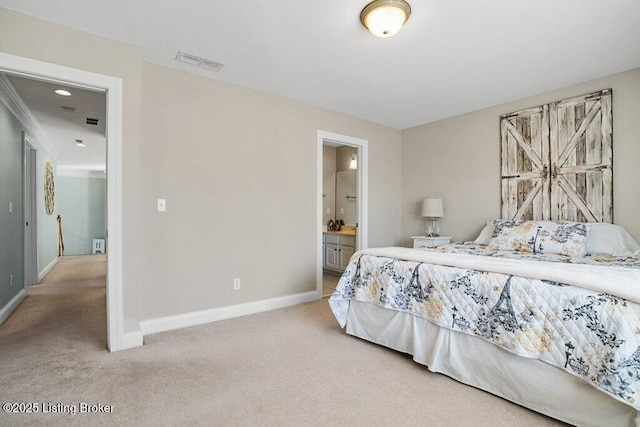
[{"x": 527, "y": 382}]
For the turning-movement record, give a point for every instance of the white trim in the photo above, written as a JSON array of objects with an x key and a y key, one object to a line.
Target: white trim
[
  {"x": 362, "y": 235},
  {"x": 47, "y": 269},
  {"x": 6, "y": 311},
  {"x": 10, "y": 97},
  {"x": 132, "y": 336},
  {"x": 72, "y": 77},
  {"x": 169, "y": 323},
  {"x": 29, "y": 210}
]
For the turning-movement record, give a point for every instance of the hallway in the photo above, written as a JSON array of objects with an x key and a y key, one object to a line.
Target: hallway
[{"x": 66, "y": 310}]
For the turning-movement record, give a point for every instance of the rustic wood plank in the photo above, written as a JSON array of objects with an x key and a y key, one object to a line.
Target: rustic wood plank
[
  {"x": 581, "y": 160},
  {"x": 575, "y": 199},
  {"x": 525, "y": 207},
  {"x": 504, "y": 165},
  {"x": 523, "y": 125},
  {"x": 570, "y": 146},
  {"x": 513, "y": 131},
  {"x": 563, "y": 137},
  {"x": 512, "y": 153},
  {"x": 607, "y": 155},
  {"x": 536, "y": 147},
  {"x": 593, "y": 196},
  {"x": 554, "y": 149},
  {"x": 578, "y": 169},
  {"x": 572, "y": 125},
  {"x": 546, "y": 183}
]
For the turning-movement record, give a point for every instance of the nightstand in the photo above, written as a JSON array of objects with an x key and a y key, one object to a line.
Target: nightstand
[{"x": 420, "y": 242}]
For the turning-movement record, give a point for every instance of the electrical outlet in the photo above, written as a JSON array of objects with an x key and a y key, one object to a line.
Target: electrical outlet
[
  {"x": 236, "y": 284},
  {"x": 10, "y": 207},
  {"x": 162, "y": 205},
  {"x": 328, "y": 211},
  {"x": 11, "y": 280}
]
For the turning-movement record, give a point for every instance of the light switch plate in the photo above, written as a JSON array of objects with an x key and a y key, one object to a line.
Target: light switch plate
[{"x": 162, "y": 205}]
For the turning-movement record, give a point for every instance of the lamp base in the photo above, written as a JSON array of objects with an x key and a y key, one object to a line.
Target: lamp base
[{"x": 433, "y": 228}]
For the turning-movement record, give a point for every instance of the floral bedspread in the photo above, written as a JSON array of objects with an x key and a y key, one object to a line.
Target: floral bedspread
[{"x": 592, "y": 335}]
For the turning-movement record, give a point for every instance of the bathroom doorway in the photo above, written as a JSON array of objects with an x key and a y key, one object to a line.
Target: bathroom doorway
[{"x": 342, "y": 205}]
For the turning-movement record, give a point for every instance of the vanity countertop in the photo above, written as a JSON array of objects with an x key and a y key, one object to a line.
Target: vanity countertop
[{"x": 346, "y": 231}]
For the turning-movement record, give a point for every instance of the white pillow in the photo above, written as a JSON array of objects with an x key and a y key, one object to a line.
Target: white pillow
[
  {"x": 486, "y": 234},
  {"x": 610, "y": 239}
]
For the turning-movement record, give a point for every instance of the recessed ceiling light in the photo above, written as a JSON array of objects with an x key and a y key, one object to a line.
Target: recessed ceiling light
[
  {"x": 62, "y": 92},
  {"x": 79, "y": 143}
]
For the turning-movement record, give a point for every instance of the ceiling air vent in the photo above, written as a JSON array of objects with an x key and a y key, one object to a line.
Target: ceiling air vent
[
  {"x": 92, "y": 121},
  {"x": 187, "y": 58}
]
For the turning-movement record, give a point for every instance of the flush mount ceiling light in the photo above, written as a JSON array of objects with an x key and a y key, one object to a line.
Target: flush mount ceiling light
[
  {"x": 62, "y": 92},
  {"x": 79, "y": 143},
  {"x": 384, "y": 18}
]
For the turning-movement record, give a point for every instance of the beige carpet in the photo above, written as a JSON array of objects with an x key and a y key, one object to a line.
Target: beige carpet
[{"x": 286, "y": 367}]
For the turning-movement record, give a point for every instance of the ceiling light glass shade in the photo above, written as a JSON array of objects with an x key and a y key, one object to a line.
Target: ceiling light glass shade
[
  {"x": 62, "y": 92},
  {"x": 384, "y": 18}
]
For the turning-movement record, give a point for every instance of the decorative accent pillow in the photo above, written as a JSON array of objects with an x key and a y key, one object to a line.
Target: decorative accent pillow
[
  {"x": 486, "y": 234},
  {"x": 547, "y": 237}
]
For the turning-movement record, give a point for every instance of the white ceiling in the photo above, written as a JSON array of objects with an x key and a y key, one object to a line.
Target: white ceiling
[
  {"x": 62, "y": 129},
  {"x": 450, "y": 58}
]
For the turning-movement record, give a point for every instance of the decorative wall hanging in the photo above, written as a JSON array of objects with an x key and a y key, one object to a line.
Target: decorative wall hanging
[
  {"x": 49, "y": 189},
  {"x": 557, "y": 160}
]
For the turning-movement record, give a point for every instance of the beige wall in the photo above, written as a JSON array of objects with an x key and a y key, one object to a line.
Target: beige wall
[
  {"x": 458, "y": 159},
  {"x": 238, "y": 170},
  {"x": 343, "y": 157}
]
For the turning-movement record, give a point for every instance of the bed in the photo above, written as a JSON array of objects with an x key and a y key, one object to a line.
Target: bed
[{"x": 545, "y": 314}]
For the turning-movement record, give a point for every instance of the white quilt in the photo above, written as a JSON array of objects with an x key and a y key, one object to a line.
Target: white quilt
[{"x": 525, "y": 306}]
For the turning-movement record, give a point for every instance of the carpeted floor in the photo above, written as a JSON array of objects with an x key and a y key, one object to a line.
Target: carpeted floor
[{"x": 292, "y": 366}]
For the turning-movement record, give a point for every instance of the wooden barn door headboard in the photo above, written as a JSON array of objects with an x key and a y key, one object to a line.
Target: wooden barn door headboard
[{"x": 557, "y": 160}]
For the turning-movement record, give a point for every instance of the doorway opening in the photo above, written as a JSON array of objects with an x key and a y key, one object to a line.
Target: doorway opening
[
  {"x": 30, "y": 216},
  {"x": 112, "y": 87},
  {"x": 342, "y": 202}
]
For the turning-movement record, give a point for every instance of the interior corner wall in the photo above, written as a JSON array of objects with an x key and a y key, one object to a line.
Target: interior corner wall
[
  {"x": 343, "y": 157},
  {"x": 458, "y": 160},
  {"x": 82, "y": 204},
  {"x": 11, "y": 230},
  {"x": 238, "y": 170},
  {"x": 45, "y": 41}
]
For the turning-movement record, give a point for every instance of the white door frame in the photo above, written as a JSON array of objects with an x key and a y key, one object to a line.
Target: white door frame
[
  {"x": 112, "y": 86},
  {"x": 363, "y": 194},
  {"x": 30, "y": 216}
]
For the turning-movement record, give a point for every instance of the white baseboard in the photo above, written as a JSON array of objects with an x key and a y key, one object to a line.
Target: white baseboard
[
  {"x": 6, "y": 311},
  {"x": 168, "y": 323},
  {"x": 47, "y": 269},
  {"x": 132, "y": 336}
]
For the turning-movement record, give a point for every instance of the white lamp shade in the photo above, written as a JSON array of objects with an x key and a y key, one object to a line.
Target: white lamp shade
[{"x": 432, "y": 208}]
